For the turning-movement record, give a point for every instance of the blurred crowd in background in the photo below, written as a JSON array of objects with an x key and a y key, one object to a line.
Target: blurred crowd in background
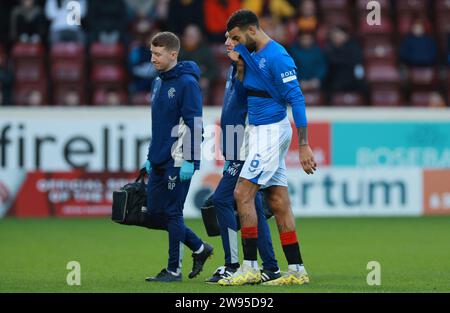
[{"x": 341, "y": 59}]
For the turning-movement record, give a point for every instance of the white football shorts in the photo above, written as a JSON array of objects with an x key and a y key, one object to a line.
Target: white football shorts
[{"x": 267, "y": 148}]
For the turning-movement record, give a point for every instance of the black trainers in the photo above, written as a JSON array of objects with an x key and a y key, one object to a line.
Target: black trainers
[
  {"x": 165, "y": 276},
  {"x": 200, "y": 259},
  {"x": 267, "y": 275},
  {"x": 221, "y": 272}
]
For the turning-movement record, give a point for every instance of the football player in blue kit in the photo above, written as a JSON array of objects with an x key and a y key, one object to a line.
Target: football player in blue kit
[
  {"x": 271, "y": 84},
  {"x": 233, "y": 122}
]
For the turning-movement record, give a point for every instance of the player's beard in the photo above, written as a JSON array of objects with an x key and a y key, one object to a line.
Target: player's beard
[{"x": 250, "y": 43}]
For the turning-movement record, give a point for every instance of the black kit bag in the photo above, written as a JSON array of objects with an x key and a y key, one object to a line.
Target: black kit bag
[
  {"x": 129, "y": 205},
  {"x": 209, "y": 216}
]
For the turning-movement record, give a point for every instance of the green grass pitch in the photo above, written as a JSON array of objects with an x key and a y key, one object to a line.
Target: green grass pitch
[{"x": 414, "y": 254}]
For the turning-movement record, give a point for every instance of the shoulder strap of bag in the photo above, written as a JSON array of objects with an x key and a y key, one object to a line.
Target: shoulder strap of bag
[{"x": 141, "y": 176}]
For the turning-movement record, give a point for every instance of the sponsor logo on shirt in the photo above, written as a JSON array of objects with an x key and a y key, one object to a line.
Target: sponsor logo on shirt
[{"x": 289, "y": 76}]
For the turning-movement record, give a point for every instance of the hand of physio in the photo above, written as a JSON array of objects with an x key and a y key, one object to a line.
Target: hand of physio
[
  {"x": 225, "y": 167},
  {"x": 186, "y": 171},
  {"x": 148, "y": 166}
]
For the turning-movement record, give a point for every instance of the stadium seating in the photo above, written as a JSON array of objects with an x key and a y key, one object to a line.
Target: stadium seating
[
  {"x": 423, "y": 77},
  {"x": 107, "y": 70},
  {"x": 29, "y": 63},
  {"x": 60, "y": 92},
  {"x": 68, "y": 70},
  {"x": 28, "y": 51},
  {"x": 217, "y": 94},
  {"x": 107, "y": 75},
  {"x": 334, "y": 5},
  {"x": 347, "y": 99},
  {"x": 25, "y": 72},
  {"x": 336, "y": 12},
  {"x": 380, "y": 49},
  {"x": 107, "y": 53},
  {"x": 23, "y": 90},
  {"x": 442, "y": 31},
  {"x": 411, "y": 6},
  {"x": 384, "y": 4},
  {"x": 100, "y": 96},
  {"x": 382, "y": 72},
  {"x": 314, "y": 98},
  {"x": 420, "y": 98},
  {"x": 68, "y": 51},
  {"x": 2, "y": 56},
  {"x": 386, "y": 96},
  {"x": 331, "y": 19},
  {"x": 223, "y": 61},
  {"x": 64, "y": 68},
  {"x": 140, "y": 98},
  {"x": 385, "y": 27}
]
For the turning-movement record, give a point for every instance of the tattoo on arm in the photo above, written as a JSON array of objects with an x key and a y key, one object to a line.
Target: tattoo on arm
[
  {"x": 302, "y": 136},
  {"x": 244, "y": 218},
  {"x": 282, "y": 228}
]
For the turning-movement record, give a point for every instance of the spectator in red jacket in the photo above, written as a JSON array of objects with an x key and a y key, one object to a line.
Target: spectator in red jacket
[{"x": 216, "y": 14}]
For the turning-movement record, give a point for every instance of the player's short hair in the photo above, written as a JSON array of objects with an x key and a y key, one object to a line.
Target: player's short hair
[
  {"x": 242, "y": 19},
  {"x": 168, "y": 40}
]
